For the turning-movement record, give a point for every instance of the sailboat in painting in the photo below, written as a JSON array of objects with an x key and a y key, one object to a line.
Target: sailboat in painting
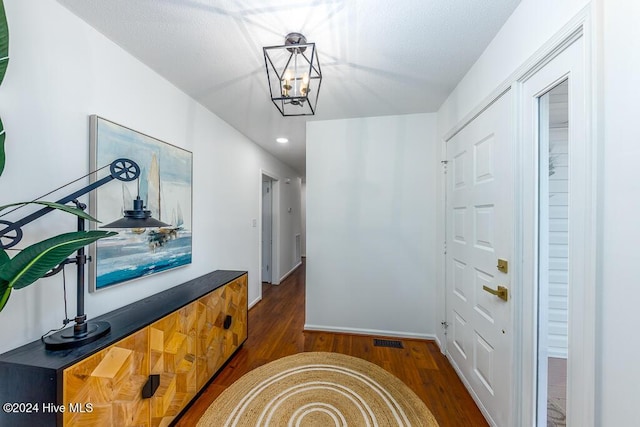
[
  {"x": 161, "y": 236},
  {"x": 153, "y": 188}
]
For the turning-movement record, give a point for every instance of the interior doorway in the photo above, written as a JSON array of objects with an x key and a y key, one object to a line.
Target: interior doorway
[{"x": 266, "y": 237}]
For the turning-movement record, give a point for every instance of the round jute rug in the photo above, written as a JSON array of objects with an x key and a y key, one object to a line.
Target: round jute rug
[{"x": 318, "y": 389}]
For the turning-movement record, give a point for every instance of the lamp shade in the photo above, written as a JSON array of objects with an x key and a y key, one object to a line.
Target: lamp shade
[
  {"x": 294, "y": 76},
  {"x": 138, "y": 217}
]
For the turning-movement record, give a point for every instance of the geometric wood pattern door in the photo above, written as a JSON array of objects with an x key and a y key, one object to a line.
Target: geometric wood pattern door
[
  {"x": 209, "y": 338},
  {"x": 235, "y": 299},
  {"x": 111, "y": 381},
  {"x": 172, "y": 355},
  {"x": 222, "y": 327},
  {"x": 480, "y": 231}
]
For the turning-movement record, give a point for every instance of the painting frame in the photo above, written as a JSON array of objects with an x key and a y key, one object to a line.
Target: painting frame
[{"x": 166, "y": 186}]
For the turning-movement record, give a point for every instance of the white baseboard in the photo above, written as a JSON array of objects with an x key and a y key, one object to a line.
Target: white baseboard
[
  {"x": 254, "y": 302},
  {"x": 290, "y": 271},
  {"x": 374, "y": 332},
  {"x": 437, "y": 340}
]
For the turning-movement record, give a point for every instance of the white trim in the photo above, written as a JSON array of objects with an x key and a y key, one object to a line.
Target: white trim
[
  {"x": 439, "y": 343},
  {"x": 542, "y": 290},
  {"x": 441, "y": 245},
  {"x": 372, "y": 332},
  {"x": 255, "y": 301},
  {"x": 290, "y": 271}
]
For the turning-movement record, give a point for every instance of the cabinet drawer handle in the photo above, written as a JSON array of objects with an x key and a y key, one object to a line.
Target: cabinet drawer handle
[
  {"x": 151, "y": 386},
  {"x": 227, "y": 322}
]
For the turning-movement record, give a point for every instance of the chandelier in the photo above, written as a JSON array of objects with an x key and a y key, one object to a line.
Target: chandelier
[{"x": 294, "y": 76}]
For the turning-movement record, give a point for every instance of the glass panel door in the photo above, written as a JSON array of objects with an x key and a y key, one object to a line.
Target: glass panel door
[{"x": 553, "y": 264}]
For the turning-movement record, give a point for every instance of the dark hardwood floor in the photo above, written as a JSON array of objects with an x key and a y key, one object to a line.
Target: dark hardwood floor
[{"x": 276, "y": 330}]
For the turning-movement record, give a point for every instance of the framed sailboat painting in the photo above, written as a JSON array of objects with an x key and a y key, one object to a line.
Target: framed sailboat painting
[{"x": 165, "y": 184}]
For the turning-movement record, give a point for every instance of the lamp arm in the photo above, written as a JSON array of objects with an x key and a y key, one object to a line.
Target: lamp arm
[
  {"x": 121, "y": 169},
  {"x": 37, "y": 214}
]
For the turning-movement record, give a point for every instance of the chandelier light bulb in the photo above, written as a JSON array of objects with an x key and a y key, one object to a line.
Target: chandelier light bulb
[
  {"x": 286, "y": 84},
  {"x": 304, "y": 88}
]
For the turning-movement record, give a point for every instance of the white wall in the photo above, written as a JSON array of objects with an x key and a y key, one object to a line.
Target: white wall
[
  {"x": 619, "y": 318},
  {"x": 531, "y": 24},
  {"x": 289, "y": 223},
  {"x": 61, "y": 71},
  {"x": 371, "y": 225}
]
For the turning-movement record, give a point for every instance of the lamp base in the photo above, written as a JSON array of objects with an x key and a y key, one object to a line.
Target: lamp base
[{"x": 66, "y": 339}]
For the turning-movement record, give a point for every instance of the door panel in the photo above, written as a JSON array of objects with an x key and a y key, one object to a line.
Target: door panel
[{"x": 480, "y": 230}]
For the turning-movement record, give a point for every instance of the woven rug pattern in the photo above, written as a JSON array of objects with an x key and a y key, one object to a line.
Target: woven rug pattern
[{"x": 318, "y": 389}]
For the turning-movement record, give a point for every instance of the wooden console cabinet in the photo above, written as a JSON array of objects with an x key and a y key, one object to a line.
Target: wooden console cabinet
[{"x": 159, "y": 354}]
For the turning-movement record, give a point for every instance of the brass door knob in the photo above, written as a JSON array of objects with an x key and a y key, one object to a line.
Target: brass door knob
[{"x": 502, "y": 292}]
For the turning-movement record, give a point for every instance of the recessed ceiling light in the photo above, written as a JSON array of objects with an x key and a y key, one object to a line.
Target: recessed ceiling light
[{"x": 282, "y": 140}]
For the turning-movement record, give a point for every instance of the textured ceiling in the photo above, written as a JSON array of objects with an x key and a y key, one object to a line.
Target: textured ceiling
[{"x": 378, "y": 57}]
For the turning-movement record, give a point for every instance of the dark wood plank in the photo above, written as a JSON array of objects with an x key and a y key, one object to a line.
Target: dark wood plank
[{"x": 276, "y": 330}]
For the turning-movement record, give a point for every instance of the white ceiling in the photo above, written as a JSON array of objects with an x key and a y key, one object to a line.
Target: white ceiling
[{"x": 378, "y": 57}]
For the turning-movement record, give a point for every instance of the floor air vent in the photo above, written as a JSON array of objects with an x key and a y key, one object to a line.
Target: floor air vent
[{"x": 387, "y": 343}]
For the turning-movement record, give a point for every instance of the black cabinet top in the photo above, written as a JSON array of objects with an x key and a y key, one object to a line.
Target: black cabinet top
[{"x": 124, "y": 321}]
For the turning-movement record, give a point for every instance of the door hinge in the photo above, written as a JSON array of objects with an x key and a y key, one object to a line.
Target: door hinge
[{"x": 445, "y": 325}]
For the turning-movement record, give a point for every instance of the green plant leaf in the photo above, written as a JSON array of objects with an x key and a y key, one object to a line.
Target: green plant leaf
[
  {"x": 69, "y": 209},
  {"x": 4, "y": 41},
  {"x": 4, "y": 62},
  {"x": 2, "y": 155},
  {"x": 5, "y": 291},
  {"x": 36, "y": 260}
]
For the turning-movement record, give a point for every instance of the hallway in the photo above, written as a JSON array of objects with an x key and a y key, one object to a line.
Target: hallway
[{"x": 276, "y": 330}]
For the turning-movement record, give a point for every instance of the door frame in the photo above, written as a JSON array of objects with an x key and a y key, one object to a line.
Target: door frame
[
  {"x": 582, "y": 403},
  {"x": 275, "y": 226},
  {"x": 268, "y": 183},
  {"x": 583, "y": 242}
]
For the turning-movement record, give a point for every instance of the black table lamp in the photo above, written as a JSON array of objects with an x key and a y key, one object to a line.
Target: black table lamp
[{"x": 83, "y": 331}]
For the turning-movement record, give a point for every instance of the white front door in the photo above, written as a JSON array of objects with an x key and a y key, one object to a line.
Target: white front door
[{"x": 479, "y": 232}]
